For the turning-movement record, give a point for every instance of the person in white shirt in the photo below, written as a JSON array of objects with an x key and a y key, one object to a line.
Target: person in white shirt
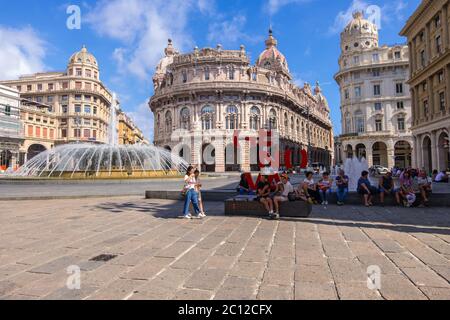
[
  {"x": 190, "y": 193},
  {"x": 287, "y": 188},
  {"x": 441, "y": 177},
  {"x": 424, "y": 184}
]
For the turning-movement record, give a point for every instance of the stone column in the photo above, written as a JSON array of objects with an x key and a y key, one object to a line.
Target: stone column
[
  {"x": 428, "y": 42},
  {"x": 414, "y": 153},
  {"x": 369, "y": 155},
  {"x": 220, "y": 154},
  {"x": 245, "y": 155},
  {"x": 431, "y": 96},
  {"x": 434, "y": 151},
  {"x": 447, "y": 94},
  {"x": 390, "y": 156}
]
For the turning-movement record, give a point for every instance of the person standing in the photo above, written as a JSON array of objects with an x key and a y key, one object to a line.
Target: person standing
[
  {"x": 198, "y": 187},
  {"x": 342, "y": 187},
  {"x": 191, "y": 194}
]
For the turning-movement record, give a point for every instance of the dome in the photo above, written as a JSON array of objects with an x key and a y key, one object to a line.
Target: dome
[
  {"x": 360, "y": 33},
  {"x": 83, "y": 57},
  {"x": 271, "y": 57}
]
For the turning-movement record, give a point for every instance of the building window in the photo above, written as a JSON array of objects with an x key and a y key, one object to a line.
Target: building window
[
  {"x": 255, "y": 117},
  {"x": 377, "y": 106},
  {"x": 272, "y": 119},
  {"x": 438, "y": 44},
  {"x": 78, "y": 97},
  {"x": 401, "y": 124},
  {"x": 52, "y": 133},
  {"x": 87, "y": 133},
  {"x": 87, "y": 109},
  {"x": 424, "y": 86},
  {"x": 425, "y": 107},
  {"x": 39, "y": 99},
  {"x": 231, "y": 73},
  {"x": 65, "y": 85},
  {"x": 77, "y": 133},
  {"x": 79, "y": 72},
  {"x": 50, "y": 87},
  {"x": 95, "y": 110},
  {"x": 375, "y": 57},
  {"x": 8, "y": 110},
  {"x": 441, "y": 77},
  {"x": 356, "y": 59},
  {"x": 38, "y": 131},
  {"x": 30, "y": 131},
  {"x": 397, "y": 54},
  {"x": 78, "y": 85},
  {"x": 64, "y": 109},
  {"x": 185, "y": 119},
  {"x": 168, "y": 121},
  {"x": 399, "y": 88},
  {"x": 87, "y": 122},
  {"x": 50, "y": 99},
  {"x": 19, "y": 88},
  {"x": 442, "y": 101},
  {"x": 63, "y": 133},
  {"x": 376, "y": 90},
  {"x": 64, "y": 98},
  {"x": 207, "y": 118},
  {"x": 63, "y": 122},
  {"x": 95, "y": 75},
  {"x": 359, "y": 121},
  {"x": 77, "y": 108},
  {"x": 376, "y": 73},
  {"x": 400, "y": 105},
  {"x": 422, "y": 58},
  {"x": 358, "y": 92},
  {"x": 232, "y": 118},
  {"x": 378, "y": 125},
  {"x": 346, "y": 94},
  {"x": 437, "y": 21},
  {"x": 356, "y": 75},
  {"x": 29, "y": 87},
  {"x": 184, "y": 75},
  {"x": 44, "y": 133},
  {"x": 207, "y": 74},
  {"x": 88, "y": 73}
]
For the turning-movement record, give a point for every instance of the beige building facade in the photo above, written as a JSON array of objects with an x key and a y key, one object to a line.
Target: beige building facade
[
  {"x": 428, "y": 33},
  {"x": 65, "y": 107},
  {"x": 375, "y": 99},
  {"x": 213, "y": 93}
]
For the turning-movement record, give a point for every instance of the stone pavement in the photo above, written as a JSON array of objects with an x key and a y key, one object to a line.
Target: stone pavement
[{"x": 159, "y": 256}]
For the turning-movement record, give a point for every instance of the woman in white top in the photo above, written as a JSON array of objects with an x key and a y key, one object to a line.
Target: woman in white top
[
  {"x": 191, "y": 194},
  {"x": 287, "y": 188},
  {"x": 310, "y": 188}
]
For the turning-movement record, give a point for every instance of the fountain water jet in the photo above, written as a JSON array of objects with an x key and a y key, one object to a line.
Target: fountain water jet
[{"x": 353, "y": 168}]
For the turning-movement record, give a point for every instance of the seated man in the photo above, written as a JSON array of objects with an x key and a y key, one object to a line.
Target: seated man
[
  {"x": 263, "y": 195},
  {"x": 244, "y": 188},
  {"x": 386, "y": 187},
  {"x": 342, "y": 187},
  {"x": 366, "y": 189},
  {"x": 286, "y": 188},
  {"x": 424, "y": 184}
]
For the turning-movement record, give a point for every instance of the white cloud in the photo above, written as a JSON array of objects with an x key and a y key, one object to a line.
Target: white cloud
[
  {"x": 22, "y": 52},
  {"x": 273, "y": 6},
  {"x": 143, "y": 27},
  {"x": 143, "y": 117},
  {"x": 230, "y": 32},
  {"x": 344, "y": 17}
]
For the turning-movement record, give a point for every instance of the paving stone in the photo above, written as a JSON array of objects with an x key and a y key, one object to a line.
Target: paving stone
[
  {"x": 193, "y": 260},
  {"x": 57, "y": 265},
  {"x": 344, "y": 270},
  {"x": 443, "y": 271},
  {"x": 356, "y": 291},
  {"x": 425, "y": 277},
  {"x": 175, "y": 250},
  {"x": 316, "y": 274},
  {"x": 270, "y": 292},
  {"x": 248, "y": 269},
  {"x": 117, "y": 290},
  {"x": 191, "y": 294},
  {"x": 388, "y": 245},
  {"x": 281, "y": 277},
  {"x": 398, "y": 287},
  {"x": 385, "y": 265},
  {"x": 230, "y": 249},
  {"x": 148, "y": 269},
  {"x": 206, "y": 279},
  {"x": 405, "y": 260},
  {"x": 315, "y": 291},
  {"x": 220, "y": 262},
  {"x": 436, "y": 293}
]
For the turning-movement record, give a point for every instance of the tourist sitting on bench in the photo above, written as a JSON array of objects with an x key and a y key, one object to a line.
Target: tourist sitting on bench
[
  {"x": 366, "y": 189},
  {"x": 324, "y": 187},
  {"x": 406, "y": 192},
  {"x": 441, "y": 177},
  {"x": 342, "y": 187},
  {"x": 424, "y": 184},
  {"x": 310, "y": 188},
  {"x": 243, "y": 188},
  {"x": 286, "y": 189},
  {"x": 263, "y": 195},
  {"x": 386, "y": 188}
]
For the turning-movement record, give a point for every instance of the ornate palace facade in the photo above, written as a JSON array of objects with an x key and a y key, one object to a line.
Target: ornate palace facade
[
  {"x": 375, "y": 99},
  {"x": 213, "y": 93}
]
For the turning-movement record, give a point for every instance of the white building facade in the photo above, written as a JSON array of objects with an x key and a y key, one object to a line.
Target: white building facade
[{"x": 375, "y": 97}]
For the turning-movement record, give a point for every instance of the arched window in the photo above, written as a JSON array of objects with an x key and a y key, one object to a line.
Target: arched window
[
  {"x": 232, "y": 118},
  {"x": 255, "y": 118},
  {"x": 168, "y": 120},
  {"x": 272, "y": 119},
  {"x": 184, "y": 75},
  {"x": 348, "y": 124},
  {"x": 185, "y": 119},
  {"x": 207, "y": 118},
  {"x": 292, "y": 125},
  {"x": 298, "y": 127},
  {"x": 207, "y": 73},
  {"x": 286, "y": 121}
]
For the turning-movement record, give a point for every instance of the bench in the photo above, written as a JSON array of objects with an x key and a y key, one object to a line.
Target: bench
[{"x": 247, "y": 206}]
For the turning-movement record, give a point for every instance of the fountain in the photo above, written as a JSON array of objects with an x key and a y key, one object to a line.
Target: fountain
[
  {"x": 353, "y": 168},
  {"x": 87, "y": 160}
]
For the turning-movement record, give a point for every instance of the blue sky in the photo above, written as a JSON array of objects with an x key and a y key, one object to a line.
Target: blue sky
[{"x": 128, "y": 37}]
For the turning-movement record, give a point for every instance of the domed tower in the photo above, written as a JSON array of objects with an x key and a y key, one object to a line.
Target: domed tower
[
  {"x": 272, "y": 59},
  {"x": 83, "y": 63},
  {"x": 161, "y": 68},
  {"x": 359, "y": 34}
]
